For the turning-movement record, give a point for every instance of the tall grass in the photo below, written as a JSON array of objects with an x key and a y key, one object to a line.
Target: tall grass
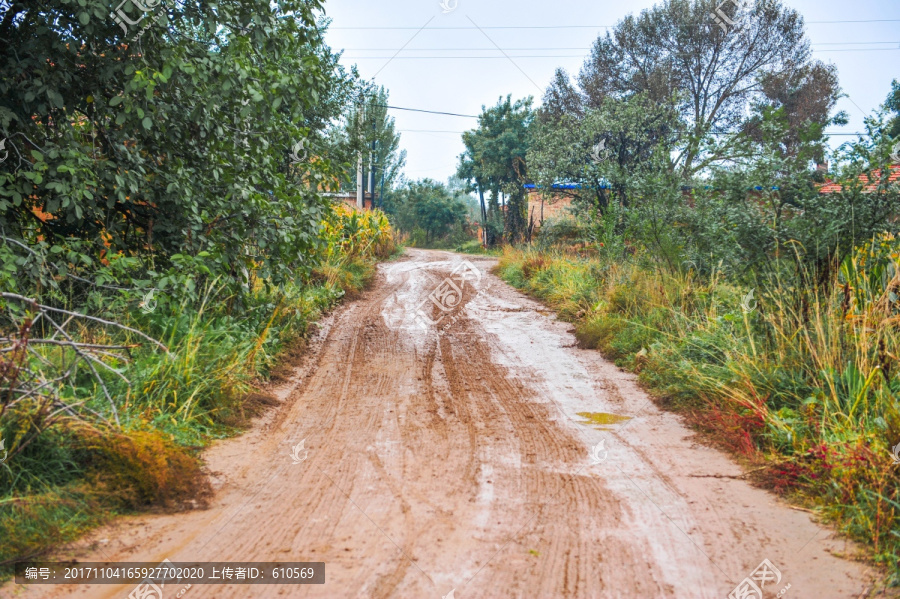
[
  {"x": 802, "y": 380},
  {"x": 79, "y": 472}
]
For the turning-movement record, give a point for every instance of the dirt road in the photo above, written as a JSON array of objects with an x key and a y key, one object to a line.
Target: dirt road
[{"x": 451, "y": 456}]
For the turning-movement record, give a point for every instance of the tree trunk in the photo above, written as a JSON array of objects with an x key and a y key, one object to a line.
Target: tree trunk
[
  {"x": 516, "y": 215},
  {"x": 359, "y": 182},
  {"x": 484, "y": 239}
]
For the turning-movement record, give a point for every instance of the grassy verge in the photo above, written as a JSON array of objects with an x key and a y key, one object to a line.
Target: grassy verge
[
  {"x": 476, "y": 249},
  {"x": 80, "y": 472},
  {"x": 804, "y": 384}
]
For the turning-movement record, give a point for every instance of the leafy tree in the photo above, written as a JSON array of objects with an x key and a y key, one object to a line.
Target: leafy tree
[
  {"x": 429, "y": 207},
  {"x": 892, "y": 104},
  {"x": 600, "y": 153},
  {"x": 366, "y": 126},
  {"x": 804, "y": 98},
  {"x": 494, "y": 161},
  {"x": 678, "y": 56},
  {"x": 768, "y": 215},
  {"x": 561, "y": 99},
  {"x": 199, "y": 138}
]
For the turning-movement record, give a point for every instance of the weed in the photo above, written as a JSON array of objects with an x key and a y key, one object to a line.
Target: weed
[
  {"x": 804, "y": 381},
  {"x": 78, "y": 473}
]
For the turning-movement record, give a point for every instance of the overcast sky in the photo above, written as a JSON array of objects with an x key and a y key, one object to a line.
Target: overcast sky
[{"x": 448, "y": 64}]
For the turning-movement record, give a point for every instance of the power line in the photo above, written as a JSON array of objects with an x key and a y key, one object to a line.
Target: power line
[
  {"x": 856, "y": 50},
  {"x": 502, "y": 51},
  {"x": 464, "y": 57},
  {"x": 475, "y": 28},
  {"x": 848, "y": 43},
  {"x": 384, "y": 66},
  {"x": 565, "y": 55},
  {"x": 451, "y": 49},
  {"x": 458, "y": 28},
  {"x": 568, "y": 48},
  {"x": 428, "y": 131},
  {"x": 468, "y": 116},
  {"x": 860, "y": 21},
  {"x": 826, "y": 133}
]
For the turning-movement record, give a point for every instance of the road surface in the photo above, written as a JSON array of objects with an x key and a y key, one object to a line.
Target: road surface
[{"x": 476, "y": 453}]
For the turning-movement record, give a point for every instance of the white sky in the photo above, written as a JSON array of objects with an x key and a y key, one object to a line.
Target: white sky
[{"x": 867, "y": 55}]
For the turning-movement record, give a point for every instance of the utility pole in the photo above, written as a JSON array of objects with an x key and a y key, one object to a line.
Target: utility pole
[
  {"x": 360, "y": 192},
  {"x": 365, "y": 182},
  {"x": 381, "y": 195},
  {"x": 372, "y": 158},
  {"x": 359, "y": 181},
  {"x": 484, "y": 234}
]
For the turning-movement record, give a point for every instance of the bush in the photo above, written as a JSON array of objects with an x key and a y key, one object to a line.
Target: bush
[
  {"x": 807, "y": 388},
  {"x": 173, "y": 402}
]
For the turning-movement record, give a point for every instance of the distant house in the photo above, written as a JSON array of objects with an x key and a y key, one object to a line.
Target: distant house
[
  {"x": 349, "y": 198},
  {"x": 541, "y": 207},
  {"x": 832, "y": 187}
]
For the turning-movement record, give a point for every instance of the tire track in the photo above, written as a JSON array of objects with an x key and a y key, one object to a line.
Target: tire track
[{"x": 451, "y": 460}]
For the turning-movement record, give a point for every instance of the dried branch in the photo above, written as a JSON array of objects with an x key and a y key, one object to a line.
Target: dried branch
[
  {"x": 66, "y": 344},
  {"x": 37, "y": 379},
  {"x": 90, "y": 364},
  {"x": 42, "y": 308}
]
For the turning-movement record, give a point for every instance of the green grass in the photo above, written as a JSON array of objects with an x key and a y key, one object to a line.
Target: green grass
[
  {"x": 76, "y": 475},
  {"x": 475, "y": 248},
  {"x": 30, "y": 524},
  {"x": 805, "y": 385}
]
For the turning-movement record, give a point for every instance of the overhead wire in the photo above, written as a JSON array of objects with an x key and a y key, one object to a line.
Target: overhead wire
[
  {"x": 443, "y": 113},
  {"x": 468, "y": 116},
  {"x": 567, "y": 48},
  {"x": 466, "y": 27},
  {"x": 566, "y": 55}
]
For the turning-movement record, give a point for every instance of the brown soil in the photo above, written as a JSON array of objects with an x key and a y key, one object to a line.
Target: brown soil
[{"x": 459, "y": 462}]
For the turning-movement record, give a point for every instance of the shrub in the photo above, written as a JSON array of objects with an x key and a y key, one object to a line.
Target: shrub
[{"x": 803, "y": 381}]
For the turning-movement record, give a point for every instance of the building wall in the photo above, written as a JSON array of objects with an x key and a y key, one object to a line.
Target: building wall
[
  {"x": 349, "y": 198},
  {"x": 557, "y": 208}
]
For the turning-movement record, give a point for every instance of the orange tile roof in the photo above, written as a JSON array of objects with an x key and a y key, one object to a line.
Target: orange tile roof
[{"x": 832, "y": 187}]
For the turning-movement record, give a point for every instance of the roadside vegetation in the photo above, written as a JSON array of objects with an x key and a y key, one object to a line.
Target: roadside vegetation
[
  {"x": 714, "y": 244},
  {"x": 71, "y": 466},
  {"x": 431, "y": 214},
  {"x": 803, "y": 385},
  {"x": 165, "y": 238}
]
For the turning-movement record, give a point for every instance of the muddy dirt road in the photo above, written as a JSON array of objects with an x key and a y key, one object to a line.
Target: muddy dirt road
[{"x": 446, "y": 453}]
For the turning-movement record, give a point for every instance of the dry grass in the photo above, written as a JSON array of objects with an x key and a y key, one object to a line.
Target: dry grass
[{"x": 805, "y": 382}]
